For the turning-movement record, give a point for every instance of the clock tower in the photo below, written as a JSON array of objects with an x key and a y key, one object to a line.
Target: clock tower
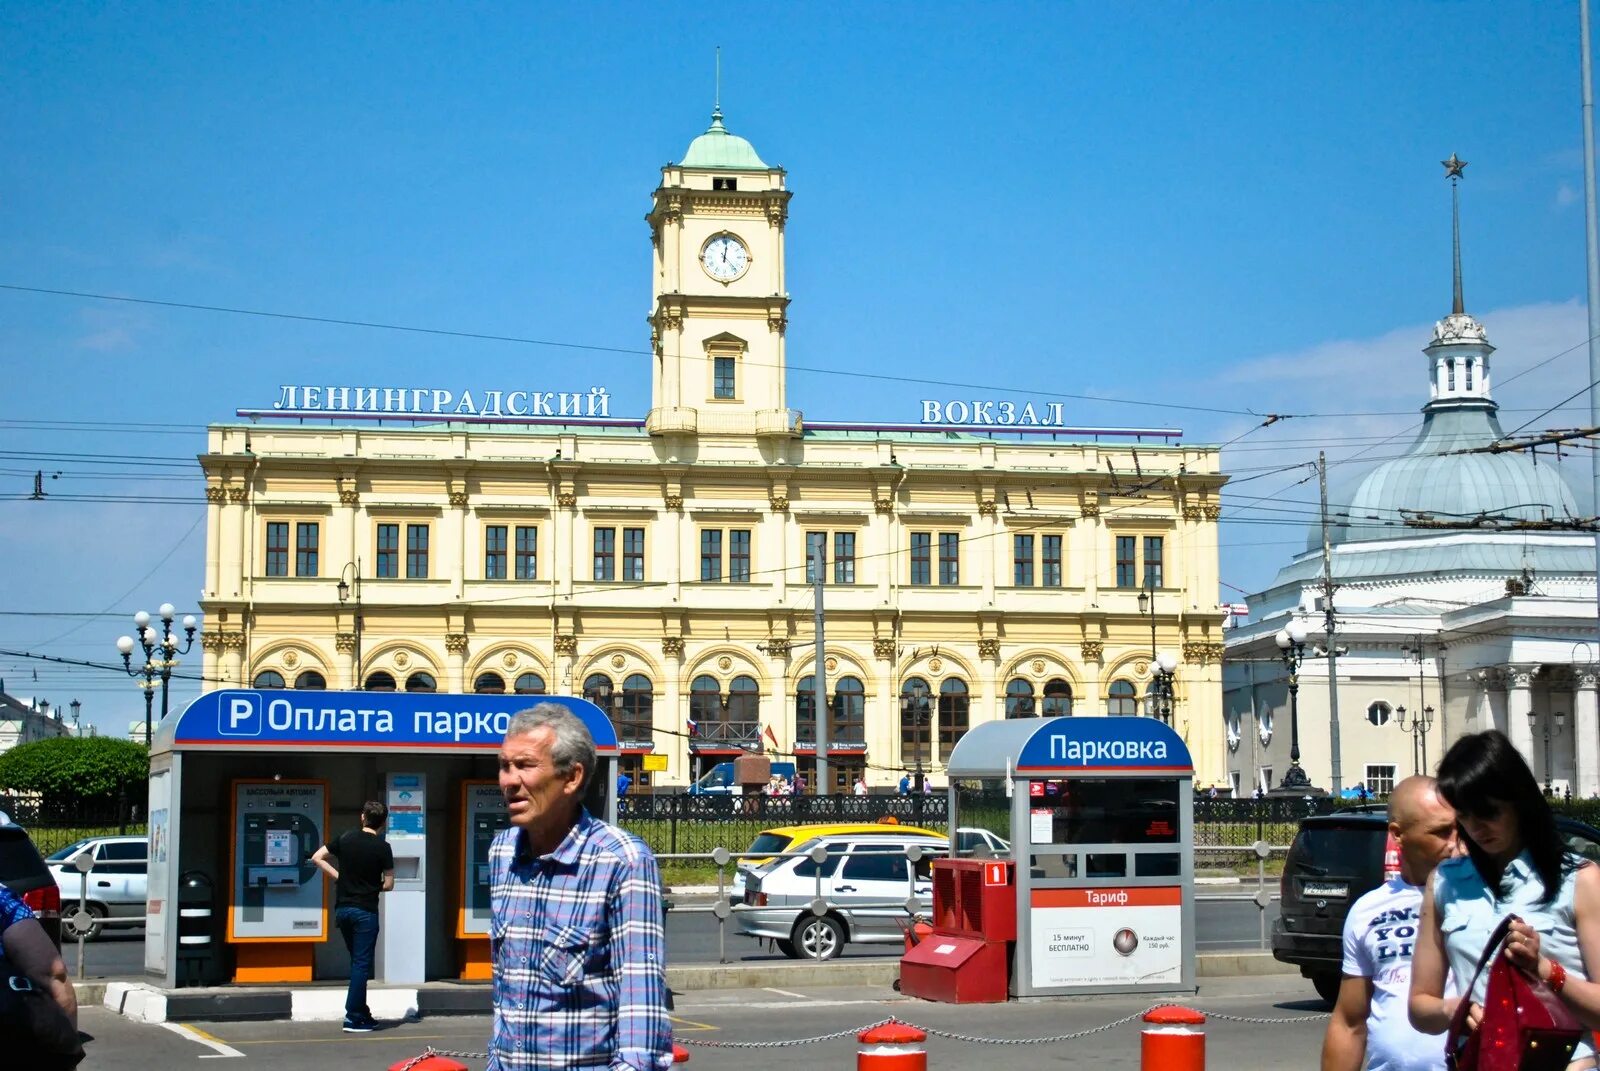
[{"x": 720, "y": 307}]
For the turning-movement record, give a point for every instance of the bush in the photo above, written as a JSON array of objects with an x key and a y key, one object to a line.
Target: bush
[{"x": 70, "y": 770}]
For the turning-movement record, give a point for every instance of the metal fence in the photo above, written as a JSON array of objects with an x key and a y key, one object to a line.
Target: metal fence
[{"x": 54, "y": 824}]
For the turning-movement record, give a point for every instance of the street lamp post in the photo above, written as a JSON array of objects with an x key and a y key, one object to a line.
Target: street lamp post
[
  {"x": 345, "y": 588},
  {"x": 1417, "y": 724},
  {"x": 1559, "y": 717},
  {"x": 1158, "y": 698},
  {"x": 915, "y": 705},
  {"x": 77, "y": 708},
  {"x": 1292, "y": 648},
  {"x": 161, "y": 653}
]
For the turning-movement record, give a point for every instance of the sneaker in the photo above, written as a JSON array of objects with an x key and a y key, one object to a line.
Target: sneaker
[{"x": 359, "y": 1026}]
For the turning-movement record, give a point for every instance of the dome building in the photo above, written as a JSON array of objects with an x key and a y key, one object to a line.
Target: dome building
[{"x": 1463, "y": 597}]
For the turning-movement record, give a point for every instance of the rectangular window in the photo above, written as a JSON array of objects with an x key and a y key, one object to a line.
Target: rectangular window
[
  {"x": 277, "y": 548},
  {"x": 416, "y": 552},
  {"x": 1380, "y": 779},
  {"x": 388, "y": 551},
  {"x": 921, "y": 558},
  {"x": 739, "y": 556},
  {"x": 1050, "y": 567},
  {"x": 527, "y": 551},
  {"x": 494, "y": 552},
  {"x": 633, "y": 554},
  {"x": 1152, "y": 562},
  {"x": 844, "y": 557},
  {"x": 1022, "y": 561},
  {"x": 816, "y": 547},
  {"x": 711, "y": 554},
  {"x": 723, "y": 372},
  {"x": 949, "y": 557},
  {"x": 305, "y": 548},
  {"x": 605, "y": 553},
  {"x": 1127, "y": 562}
]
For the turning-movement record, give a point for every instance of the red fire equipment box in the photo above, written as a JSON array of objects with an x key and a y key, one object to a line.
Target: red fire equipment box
[
  {"x": 957, "y": 970},
  {"x": 975, "y": 898}
]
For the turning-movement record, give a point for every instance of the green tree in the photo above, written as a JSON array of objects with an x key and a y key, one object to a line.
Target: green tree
[{"x": 73, "y": 769}]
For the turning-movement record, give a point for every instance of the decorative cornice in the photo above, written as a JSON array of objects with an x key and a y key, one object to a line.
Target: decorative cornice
[
  {"x": 566, "y": 500},
  {"x": 987, "y": 508},
  {"x": 215, "y": 495},
  {"x": 884, "y": 648},
  {"x": 672, "y": 646},
  {"x": 458, "y": 498},
  {"x": 1191, "y": 513},
  {"x": 884, "y": 505},
  {"x": 233, "y": 641},
  {"x": 674, "y": 501},
  {"x": 211, "y": 641},
  {"x": 989, "y": 648},
  {"x": 455, "y": 642},
  {"x": 777, "y": 321},
  {"x": 344, "y": 642},
  {"x": 777, "y": 212},
  {"x": 1212, "y": 512},
  {"x": 1092, "y": 650},
  {"x": 349, "y": 496},
  {"x": 779, "y": 503},
  {"x": 238, "y": 495},
  {"x": 1202, "y": 653},
  {"x": 1090, "y": 509},
  {"x": 566, "y": 645}
]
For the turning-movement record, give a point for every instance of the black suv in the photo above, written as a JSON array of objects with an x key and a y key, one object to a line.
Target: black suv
[
  {"x": 1334, "y": 861},
  {"x": 22, "y": 870}
]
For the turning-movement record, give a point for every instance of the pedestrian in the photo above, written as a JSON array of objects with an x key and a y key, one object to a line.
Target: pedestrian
[
  {"x": 1515, "y": 862},
  {"x": 577, "y": 938},
  {"x": 927, "y": 787},
  {"x": 861, "y": 785},
  {"x": 624, "y": 782},
  {"x": 1369, "y": 1028},
  {"x": 366, "y": 868},
  {"x": 799, "y": 784},
  {"x": 39, "y": 1016},
  {"x": 905, "y": 784}
]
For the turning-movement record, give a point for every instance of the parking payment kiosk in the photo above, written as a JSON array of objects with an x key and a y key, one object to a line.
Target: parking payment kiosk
[
  {"x": 277, "y": 896},
  {"x": 404, "y": 908},
  {"x": 1100, "y": 812},
  {"x": 483, "y": 814}
]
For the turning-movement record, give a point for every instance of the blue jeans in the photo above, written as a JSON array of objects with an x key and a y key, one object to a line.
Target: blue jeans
[{"x": 360, "y": 930}]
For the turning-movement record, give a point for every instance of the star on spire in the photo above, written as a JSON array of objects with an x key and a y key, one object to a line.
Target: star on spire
[{"x": 1453, "y": 166}]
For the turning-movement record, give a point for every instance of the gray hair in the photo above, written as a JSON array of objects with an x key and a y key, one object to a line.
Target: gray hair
[{"x": 573, "y": 745}]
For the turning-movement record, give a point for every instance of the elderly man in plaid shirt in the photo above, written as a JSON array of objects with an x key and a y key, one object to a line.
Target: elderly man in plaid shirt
[{"x": 576, "y": 927}]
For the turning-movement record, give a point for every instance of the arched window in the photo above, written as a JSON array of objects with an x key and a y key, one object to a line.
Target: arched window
[
  {"x": 598, "y": 689},
  {"x": 744, "y": 709},
  {"x": 1450, "y": 373},
  {"x": 638, "y": 705},
  {"x": 1378, "y": 713},
  {"x": 489, "y": 684},
  {"x": 805, "y": 712},
  {"x": 421, "y": 682},
  {"x": 954, "y": 705},
  {"x": 380, "y": 682},
  {"x": 269, "y": 678},
  {"x": 311, "y": 680},
  {"x": 1057, "y": 698},
  {"x": 1019, "y": 698},
  {"x": 705, "y": 708},
  {"x": 1469, "y": 363},
  {"x": 916, "y": 721},
  {"x": 1122, "y": 699},
  {"x": 529, "y": 684},
  {"x": 849, "y": 711}
]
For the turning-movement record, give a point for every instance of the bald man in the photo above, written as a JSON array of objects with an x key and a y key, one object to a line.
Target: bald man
[{"x": 1370, "y": 1027}]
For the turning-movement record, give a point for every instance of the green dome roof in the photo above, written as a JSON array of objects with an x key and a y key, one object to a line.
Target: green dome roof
[{"x": 717, "y": 148}]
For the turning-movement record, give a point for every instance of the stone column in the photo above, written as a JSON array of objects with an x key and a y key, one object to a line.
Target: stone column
[
  {"x": 1519, "y": 704},
  {"x": 345, "y": 643},
  {"x": 1586, "y": 727},
  {"x": 677, "y": 718},
  {"x": 455, "y": 645},
  {"x": 1491, "y": 700}
]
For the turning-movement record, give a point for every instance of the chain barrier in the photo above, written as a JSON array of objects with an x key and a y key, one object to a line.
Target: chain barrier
[{"x": 1053, "y": 1039}]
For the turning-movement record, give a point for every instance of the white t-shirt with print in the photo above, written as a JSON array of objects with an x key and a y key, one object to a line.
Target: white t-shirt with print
[{"x": 1380, "y": 935}]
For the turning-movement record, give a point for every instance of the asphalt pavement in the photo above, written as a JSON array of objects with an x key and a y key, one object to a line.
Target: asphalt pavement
[{"x": 1284, "y": 1031}]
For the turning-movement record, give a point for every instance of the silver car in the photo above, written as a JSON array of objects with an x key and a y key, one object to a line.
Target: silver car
[
  {"x": 866, "y": 880},
  {"x": 117, "y": 884}
]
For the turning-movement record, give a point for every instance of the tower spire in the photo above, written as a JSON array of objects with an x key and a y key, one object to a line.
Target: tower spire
[
  {"x": 1453, "y": 168},
  {"x": 716, "y": 106}
]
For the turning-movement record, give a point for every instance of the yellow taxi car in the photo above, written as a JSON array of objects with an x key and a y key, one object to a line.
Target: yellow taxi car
[{"x": 770, "y": 843}]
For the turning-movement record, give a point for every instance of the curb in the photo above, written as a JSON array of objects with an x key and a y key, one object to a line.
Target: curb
[{"x": 145, "y": 1003}]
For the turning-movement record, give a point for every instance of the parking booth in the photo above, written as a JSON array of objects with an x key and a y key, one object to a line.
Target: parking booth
[
  {"x": 246, "y": 784},
  {"x": 1099, "y": 813}
]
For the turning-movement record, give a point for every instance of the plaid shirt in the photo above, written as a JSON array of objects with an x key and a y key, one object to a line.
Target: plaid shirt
[{"x": 579, "y": 953}]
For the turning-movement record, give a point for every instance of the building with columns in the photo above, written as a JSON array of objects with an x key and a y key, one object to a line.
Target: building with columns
[
  {"x": 662, "y": 566},
  {"x": 1464, "y": 596}
]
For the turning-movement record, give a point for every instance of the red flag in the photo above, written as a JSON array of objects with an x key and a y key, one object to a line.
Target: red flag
[{"x": 767, "y": 732}]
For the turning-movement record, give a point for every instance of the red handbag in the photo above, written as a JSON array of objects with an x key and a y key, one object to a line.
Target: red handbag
[{"x": 1525, "y": 1026}]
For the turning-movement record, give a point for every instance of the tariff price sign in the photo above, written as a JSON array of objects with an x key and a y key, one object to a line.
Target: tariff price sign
[{"x": 995, "y": 874}]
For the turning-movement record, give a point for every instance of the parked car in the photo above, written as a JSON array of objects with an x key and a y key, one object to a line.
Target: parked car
[
  {"x": 23, "y": 871},
  {"x": 1334, "y": 861},
  {"x": 117, "y": 884},
  {"x": 867, "y": 880},
  {"x": 776, "y": 841}
]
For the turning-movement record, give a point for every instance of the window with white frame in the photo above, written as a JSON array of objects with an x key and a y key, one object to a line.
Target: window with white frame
[{"x": 1380, "y": 778}]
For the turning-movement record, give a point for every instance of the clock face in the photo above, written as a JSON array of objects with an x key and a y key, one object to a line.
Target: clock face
[{"x": 725, "y": 258}]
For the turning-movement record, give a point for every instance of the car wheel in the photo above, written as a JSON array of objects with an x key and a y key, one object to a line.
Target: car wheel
[
  {"x": 818, "y": 937},
  {"x": 69, "y": 929},
  {"x": 1327, "y": 986},
  {"x": 787, "y": 948}
]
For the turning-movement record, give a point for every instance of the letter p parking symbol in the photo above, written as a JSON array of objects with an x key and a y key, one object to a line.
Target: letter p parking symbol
[{"x": 239, "y": 714}]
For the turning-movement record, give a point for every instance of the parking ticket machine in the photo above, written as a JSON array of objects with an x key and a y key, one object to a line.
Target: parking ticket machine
[
  {"x": 483, "y": 815},
  {"x": 276, "y": 893}
]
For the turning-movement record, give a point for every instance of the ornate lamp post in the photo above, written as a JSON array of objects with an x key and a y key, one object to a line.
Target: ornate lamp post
[
  {"x": 1158, "y": 700},
  {"x": 1292, "y": 649},
  {"x": 1417, "y": 724},
  {"x": 916, "y": 707},
  {"x": 77, "y": 707},
  {"x": 1559, "y": 718},
  {"x": 344, "y": 589},
  {"x": 161, "y": 653}
]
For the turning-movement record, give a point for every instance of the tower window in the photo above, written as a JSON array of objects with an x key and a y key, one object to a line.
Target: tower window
[
  {"x": 1450, "y": 373},
  {"x": 724, "y": 184},
  {"x": 1468, "y": 363},
  {"x": 723, "y": 373}
]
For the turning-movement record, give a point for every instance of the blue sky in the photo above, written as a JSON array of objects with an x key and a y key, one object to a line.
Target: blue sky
[{"x": 1227, "y": 206}]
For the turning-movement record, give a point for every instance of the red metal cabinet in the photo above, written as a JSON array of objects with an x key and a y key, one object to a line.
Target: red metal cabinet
[{"x": 975, "y": 898}]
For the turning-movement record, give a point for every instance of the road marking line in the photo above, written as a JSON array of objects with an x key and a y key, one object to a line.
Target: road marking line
[
  {"x": 691, "y": 1022},
  {"x": 784, "y": 993},
  {"x": 200, "y": 1037}
]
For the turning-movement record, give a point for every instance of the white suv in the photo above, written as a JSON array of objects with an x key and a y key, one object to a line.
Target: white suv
[{"x": 117, "y": 884}]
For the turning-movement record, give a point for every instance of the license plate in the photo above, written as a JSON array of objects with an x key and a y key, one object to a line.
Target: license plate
[{"x": 1338, "y": 889}]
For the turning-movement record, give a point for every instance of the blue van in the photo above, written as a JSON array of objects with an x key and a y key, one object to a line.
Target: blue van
[{"x": 718, "y": 781}]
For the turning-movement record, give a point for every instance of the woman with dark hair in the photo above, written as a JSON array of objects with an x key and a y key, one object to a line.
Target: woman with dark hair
[{"x": 1515, "y": 863}]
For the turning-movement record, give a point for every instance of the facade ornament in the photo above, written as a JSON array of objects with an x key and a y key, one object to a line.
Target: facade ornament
[
  {"x": 458, "y": 498},
  {"x": 402, "y": 659},
  {"x": 349, "y": 496},
  {"x": 671, "y": 322},
  {"x": 672, "y": 646},
  {"x": 1202, "y": 654},
  {"x": 1090, "y": 507},
  {"x": 1212, "y": 513},
  {"x": 724, "y": 663},
  {"x": 674, "y": 501},
  {"x": 778, "y": 647},
  {"x": 617, "y": 661},
  {"x": 989, "y": 648},
  {"x": 566, "y": 645},
  {"x": 1092, "y": 650},
  {"x": 238, "y": 495},
  {"x": 1233, "y": 734},
  {"x": 777, "y": 212},
  {"x": 291, "y": 658},
  {"x": 509, "y": 660},
  {"x": 884, "y": 505},
  {"x": 884, "y": 647},
  {"x": 1585, "y": 678},
  {"x": 832, "y": 664},
  {"x": 1459, "y": 327},
  {"x": 455, "y": 642},
  {"x": 344, "y": 642},
  {"x": 211, "y": 641},
  {"x": 1140, "y": 666},
  {"x": 1037, "y": 666},
  {"x": 566, "y": 500},
  {"x": 934, "y": 665},
  {"x": 987, "y": 508},
  {"x": 215, "y": 495},
  {"x": 233, "y": 641},
  {"x": 777, "y": 321},
  {"x": 779, "y": 503},
  {"x": 1191, "y": 513}
]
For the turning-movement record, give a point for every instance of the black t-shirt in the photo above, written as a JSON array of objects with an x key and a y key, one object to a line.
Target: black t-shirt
[{"x": 363, "y": 857}]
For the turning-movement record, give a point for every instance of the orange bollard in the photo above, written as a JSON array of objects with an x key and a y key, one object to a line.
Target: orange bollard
[
  {"x": 680, "y": 1055},
  {"x": 1169, "y": 1044},
  {"x": 429, "y": 1062},
  {"x": 892, "y": 1047}
]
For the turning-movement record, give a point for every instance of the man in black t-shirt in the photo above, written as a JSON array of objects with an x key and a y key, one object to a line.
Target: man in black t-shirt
[{"x": 366, "y": 868}]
